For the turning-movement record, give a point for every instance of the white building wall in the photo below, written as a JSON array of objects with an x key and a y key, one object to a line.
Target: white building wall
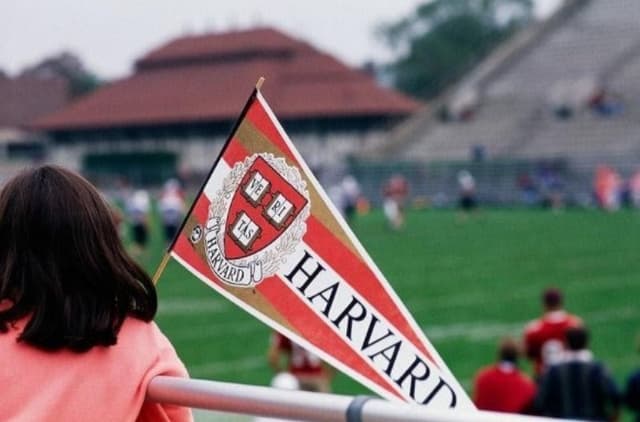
[
  {"x": 69, "y": 156},
  {"x": 197, "y": 154}
]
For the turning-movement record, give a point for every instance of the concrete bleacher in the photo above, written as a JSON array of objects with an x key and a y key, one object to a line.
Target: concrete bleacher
[
  {"x": 591, "y": 44},
  {"x": 586, "y": 136},
  {"x": 486, "y": 128},
  {"x": 625, "y": 82},
  {"x": 584, "y": 45}
]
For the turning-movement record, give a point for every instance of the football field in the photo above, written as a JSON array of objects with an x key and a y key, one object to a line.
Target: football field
[{"x": 467, "y": 283}]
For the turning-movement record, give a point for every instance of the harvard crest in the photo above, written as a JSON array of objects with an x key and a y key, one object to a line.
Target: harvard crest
[{"x": 256, "y": 219}]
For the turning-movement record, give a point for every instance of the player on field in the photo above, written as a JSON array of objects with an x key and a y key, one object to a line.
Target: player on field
[
  {"x": 171, "y": 206},
  {"x": 312, "y": 373},
  {"x": 395, "y": 193},
  {"x": 548, "y": 331},
  {"x": 138, "y": 206},
  {"x": 467, "y": 192}
]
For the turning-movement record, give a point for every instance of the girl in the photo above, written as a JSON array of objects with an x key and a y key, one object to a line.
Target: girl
[{"x": 77, "y": 341}]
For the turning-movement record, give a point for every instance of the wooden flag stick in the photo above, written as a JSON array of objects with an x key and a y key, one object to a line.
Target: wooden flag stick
[
  {"x": 160, "y": 270},
  {"x": 259, "y": 83}
]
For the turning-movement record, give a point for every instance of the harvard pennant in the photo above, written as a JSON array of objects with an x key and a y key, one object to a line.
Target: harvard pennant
[{"x": 263, "y": 234}]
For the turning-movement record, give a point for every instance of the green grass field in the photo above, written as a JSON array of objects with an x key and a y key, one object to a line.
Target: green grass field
[{"x": 467, "y": 284}]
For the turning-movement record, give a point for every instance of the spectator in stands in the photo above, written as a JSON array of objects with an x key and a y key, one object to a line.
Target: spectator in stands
[
  {"x": 578, "y": 387},
  {"x": 550, "y": 328},
  {"x": 395, "y": 193},
  {"x": 77, "y": 339},
  {"x": 605, "y": 103},
  {"x": 311, "y": 372},
  {"x": 503, "y": 387}
]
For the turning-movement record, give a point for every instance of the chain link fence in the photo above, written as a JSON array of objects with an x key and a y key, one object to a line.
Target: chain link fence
[{"x": 543, "y": 182}]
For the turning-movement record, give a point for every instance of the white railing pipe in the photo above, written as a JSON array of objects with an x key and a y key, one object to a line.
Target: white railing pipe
[{"x": 301, "y": 405}]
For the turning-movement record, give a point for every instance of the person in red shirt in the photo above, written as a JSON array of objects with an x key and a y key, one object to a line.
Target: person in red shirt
[
  {"x": 502, "y": 387},
  {"x": 312, "y": 373},
  {"x": 548, "y": 332}
]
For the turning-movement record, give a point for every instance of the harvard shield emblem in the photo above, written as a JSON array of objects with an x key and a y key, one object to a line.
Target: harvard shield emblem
[{"x": 257, "y": 218}]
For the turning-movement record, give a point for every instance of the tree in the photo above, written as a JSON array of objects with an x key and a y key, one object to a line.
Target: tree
[
  {"x": 69, "y": 67},
  {"x": 443, "y": 39}
]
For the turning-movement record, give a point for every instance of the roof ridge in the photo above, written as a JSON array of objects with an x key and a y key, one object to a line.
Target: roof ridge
[{"x": 218, "y": 46}]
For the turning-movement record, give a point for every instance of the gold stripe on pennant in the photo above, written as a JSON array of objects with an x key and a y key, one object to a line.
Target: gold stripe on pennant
[
  {"x": 254, "y": 141},
  {"x": 250, "y": 296}
]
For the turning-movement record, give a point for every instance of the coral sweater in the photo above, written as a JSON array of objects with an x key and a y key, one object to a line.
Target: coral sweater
[{"x": 105, "y": 383}]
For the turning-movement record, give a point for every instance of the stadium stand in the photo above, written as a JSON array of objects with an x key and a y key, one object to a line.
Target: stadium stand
[{"x": 563, "y": 89}]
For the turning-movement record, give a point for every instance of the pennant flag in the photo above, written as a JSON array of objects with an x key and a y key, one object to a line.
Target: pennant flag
[{"x": 263, "y": 234}]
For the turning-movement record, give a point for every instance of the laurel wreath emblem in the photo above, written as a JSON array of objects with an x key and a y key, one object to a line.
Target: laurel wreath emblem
[{"x": 275, "y": 254}]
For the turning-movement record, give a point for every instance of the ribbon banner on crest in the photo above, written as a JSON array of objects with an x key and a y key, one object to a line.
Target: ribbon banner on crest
[{"x": 263, "y": 233}]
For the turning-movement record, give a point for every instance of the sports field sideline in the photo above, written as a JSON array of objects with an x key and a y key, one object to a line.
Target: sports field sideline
[{"x": 467, "y": 283}]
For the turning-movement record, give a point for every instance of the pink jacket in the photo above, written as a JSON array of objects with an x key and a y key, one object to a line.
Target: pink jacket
[{"x": 105, "y": 383}]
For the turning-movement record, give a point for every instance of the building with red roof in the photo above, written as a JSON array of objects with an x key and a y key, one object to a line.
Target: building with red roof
[
  {"x": 177, "y": 108},
  {"x": 24, "y": 99}
]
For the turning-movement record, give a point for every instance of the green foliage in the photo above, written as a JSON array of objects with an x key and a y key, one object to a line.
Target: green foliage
[
  {"x": 83, "y": 84},
  {"x": 443, "y": 39},
  {"x": 69, "y": 67}
]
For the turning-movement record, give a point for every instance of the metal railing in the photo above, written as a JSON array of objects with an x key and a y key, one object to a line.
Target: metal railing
[{"x": 301, "y": 405}]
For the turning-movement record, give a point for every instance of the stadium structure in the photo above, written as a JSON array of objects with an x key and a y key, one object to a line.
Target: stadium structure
[
  {"x": 556, "y": 100},
  {"x": 173, "y": 114}
]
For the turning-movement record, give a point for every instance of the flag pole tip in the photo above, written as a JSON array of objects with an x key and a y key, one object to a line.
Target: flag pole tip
[{"x": 260, "y": 82}]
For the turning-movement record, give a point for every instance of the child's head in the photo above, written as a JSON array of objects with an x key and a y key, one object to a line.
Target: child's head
[{"x": 62, "y": 264}]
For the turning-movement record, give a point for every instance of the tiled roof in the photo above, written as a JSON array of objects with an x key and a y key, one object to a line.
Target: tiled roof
[
  {"x": 209, "y": 77},
  {"x": 24, "y": 99}
]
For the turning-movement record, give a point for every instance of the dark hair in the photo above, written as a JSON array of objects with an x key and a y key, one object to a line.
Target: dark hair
[
  {"x": 552, "y": 297},
  {"x": 63, "y": 266},
  {"x": 577, "y": 338},
  {"x": 508, "y": 351}
]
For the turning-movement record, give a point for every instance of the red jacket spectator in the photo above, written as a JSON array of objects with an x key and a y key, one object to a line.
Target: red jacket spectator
[{"x": 503, "y": 387}]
